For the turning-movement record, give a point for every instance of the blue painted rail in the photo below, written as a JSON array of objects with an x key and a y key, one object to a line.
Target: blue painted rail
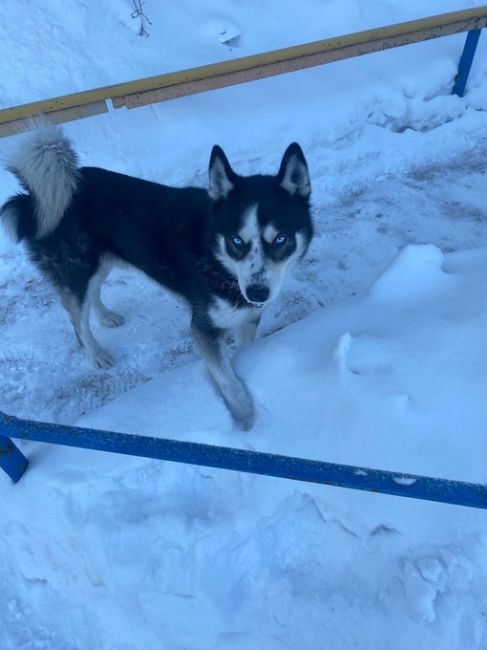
[
  {"x": 12, "y": 460},
  {"x": 241, "y": 460},
  {"x": 466, "y": 61}
]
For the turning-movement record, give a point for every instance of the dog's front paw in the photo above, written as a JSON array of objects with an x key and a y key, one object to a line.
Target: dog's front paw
[
  {"x": 246, "y": 421},
  {"x": 242, "y": 408}
]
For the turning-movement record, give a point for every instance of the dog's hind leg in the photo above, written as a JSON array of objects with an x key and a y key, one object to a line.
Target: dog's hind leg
[
  {"x": 106, "y": 316},
  {"x": 71, "y": 264},
  {"x": 236, "y": 397},
  {"x": 79, "y": 314}
]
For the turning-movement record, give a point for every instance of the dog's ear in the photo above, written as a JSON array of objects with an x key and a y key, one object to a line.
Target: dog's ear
[
  {"x": 293, "y": 173},
  {"x": 221, "y": 176}
]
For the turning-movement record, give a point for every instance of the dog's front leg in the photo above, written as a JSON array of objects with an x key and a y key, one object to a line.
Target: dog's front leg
[
  {"x": 246, "y": 332},
  {"x": 210, "y": 344}
]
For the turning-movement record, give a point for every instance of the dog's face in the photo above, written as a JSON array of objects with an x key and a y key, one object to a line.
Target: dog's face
[{"x": 262, "y": 223}]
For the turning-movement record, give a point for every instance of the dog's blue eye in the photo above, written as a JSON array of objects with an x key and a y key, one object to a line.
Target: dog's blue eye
[
  {"x": 237, "y": 241},
  {"x": 280, "y": 240}
]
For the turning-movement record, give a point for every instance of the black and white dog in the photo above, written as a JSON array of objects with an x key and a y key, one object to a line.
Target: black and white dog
[{"x": 225, "y": 251}]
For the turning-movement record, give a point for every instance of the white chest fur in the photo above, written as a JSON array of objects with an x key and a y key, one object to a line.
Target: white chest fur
[{"x": 227, "y": 316}]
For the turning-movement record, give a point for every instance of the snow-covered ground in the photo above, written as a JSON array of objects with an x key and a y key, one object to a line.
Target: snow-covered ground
[{"x": 387, "y": 370}]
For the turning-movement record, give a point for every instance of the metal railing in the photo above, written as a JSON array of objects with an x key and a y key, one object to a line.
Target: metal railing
[
  {"x": 240, "y": 460},
  {"x": 250, "y": 68}
]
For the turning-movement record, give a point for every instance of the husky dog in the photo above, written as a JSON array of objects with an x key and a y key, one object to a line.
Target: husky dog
[{"x": 224, "y": 250}]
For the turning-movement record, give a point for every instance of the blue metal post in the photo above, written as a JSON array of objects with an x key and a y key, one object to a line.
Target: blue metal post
[
  {"x": 466, "y": 62},
  {"x": 241, "y": 460},
  {"x": 12, "y": 460}
]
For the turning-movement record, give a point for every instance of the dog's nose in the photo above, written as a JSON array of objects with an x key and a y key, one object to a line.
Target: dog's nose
[{"x": 257, "y": 292}]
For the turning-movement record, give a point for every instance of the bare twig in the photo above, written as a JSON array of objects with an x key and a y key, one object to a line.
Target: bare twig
[{"x": 139, "y": 13}]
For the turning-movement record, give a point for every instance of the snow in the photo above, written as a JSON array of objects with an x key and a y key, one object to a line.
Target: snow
[{"x": 374, "y": 356}]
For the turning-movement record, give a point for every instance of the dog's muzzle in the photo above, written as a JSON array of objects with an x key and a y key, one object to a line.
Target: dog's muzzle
[{"x": 257, "y": 293}]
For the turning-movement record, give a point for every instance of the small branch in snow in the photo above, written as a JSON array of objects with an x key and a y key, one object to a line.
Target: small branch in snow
[{"x": 139, "y": 13}]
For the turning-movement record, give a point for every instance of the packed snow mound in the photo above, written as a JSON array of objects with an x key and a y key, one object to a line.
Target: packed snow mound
[
  {"x": 385, "y": 354},
  {"x": 260, "y": 562}
]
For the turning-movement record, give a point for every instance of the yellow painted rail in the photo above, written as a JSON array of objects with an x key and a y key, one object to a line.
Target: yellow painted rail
[{"x": 140, "y": 92}]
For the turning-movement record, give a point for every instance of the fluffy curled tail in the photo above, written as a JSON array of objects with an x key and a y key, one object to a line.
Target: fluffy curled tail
[{"x": 47, "y": 167}]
